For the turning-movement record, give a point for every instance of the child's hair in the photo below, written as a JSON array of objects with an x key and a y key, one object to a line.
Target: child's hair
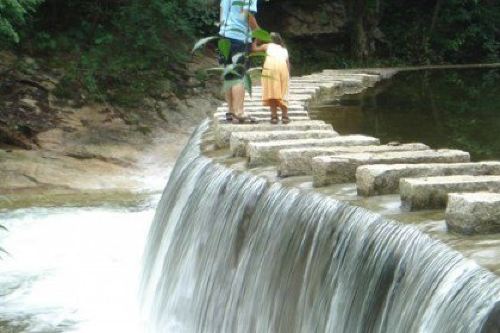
[{"x": 277, "y": 39}]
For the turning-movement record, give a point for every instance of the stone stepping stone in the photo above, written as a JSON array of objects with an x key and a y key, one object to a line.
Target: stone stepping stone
[
  {"x": 473, "y": 213},
  {"x": 252, "y": 108},
  {"x": 384, "y": 178},
  {"x": 265, "y": 113},
  {"x": 265, "y": 118},
  {"x": 239, "y": 140},
  {"x": 432, "y": 192},
  {"x": 297, "y": 161},
  {"x": 266, "y": 153},
  {"x": 340, "y": 169},
  {"x": 222, "y": 131},
  {"x": 258, "y": 103}
]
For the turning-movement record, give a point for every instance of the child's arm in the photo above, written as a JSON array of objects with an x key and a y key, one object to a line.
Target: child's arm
[{"x": 258, "y": 48}]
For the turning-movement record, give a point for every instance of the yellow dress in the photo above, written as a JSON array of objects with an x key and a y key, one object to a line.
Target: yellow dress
[{"x": 275, "y": 75}]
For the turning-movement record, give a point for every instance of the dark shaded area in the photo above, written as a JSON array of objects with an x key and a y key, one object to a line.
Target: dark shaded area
[
  {"x": 441, "y": 108},
  {"x": 492, "y": 324}
]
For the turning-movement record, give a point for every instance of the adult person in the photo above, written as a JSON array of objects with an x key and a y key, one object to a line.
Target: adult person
[{"x": 237, "y": 21}]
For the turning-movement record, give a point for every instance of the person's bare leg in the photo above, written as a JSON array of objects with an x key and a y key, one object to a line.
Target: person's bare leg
[
  {"x": 284, "y": 114},
  {"x": 274, "y": 111},
  {"x": 229, "y": 101},
  {"x": 238, "y": 100}
]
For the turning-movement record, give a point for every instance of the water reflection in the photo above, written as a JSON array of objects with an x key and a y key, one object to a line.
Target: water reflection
[
  {"x": 442, "y": 108},
  {"x": 71, "y": 269}
]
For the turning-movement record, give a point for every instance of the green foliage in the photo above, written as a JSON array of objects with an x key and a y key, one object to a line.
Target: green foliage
[
  {"x": 464, "y": 30},
  {"x": 13, "y": 14}
]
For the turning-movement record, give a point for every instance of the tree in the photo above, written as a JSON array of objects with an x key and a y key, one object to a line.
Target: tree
[{"x": 13, "y": 14}]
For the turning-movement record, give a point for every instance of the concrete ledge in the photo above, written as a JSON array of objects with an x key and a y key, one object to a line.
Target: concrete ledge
[
  {"x": 222, "y": 131},
  {"x": 432, "y": 192},
  {"x": 265, "y": 153},
  {"x": 473, "y": 213},
  {"x": 296, "y": 162},
  {"x": 342, "y": 168},
  {"x": 384, "y": 178},
  {"x": 239, "y": 140}
]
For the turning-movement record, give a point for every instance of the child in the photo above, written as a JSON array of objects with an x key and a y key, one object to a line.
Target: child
[{"x": 275, "y": 76}]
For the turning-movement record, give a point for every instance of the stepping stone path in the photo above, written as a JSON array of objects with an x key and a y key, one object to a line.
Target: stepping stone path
[{"x": 425, "y": 178}]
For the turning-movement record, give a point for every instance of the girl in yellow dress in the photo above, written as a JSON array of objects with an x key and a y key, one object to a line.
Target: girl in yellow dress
[{"x": 275, "y": 77}]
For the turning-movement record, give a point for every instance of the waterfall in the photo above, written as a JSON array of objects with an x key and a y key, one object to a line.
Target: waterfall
[{"x": 230, "y": 252}]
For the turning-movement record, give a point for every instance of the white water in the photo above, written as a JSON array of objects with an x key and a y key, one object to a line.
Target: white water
[{"x": 71, "y": 270}]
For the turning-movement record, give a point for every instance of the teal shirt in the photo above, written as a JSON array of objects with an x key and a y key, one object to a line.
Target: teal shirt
[{"x": 234, "y": 21}]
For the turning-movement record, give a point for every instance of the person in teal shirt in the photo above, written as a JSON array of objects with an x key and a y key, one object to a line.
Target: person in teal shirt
[{"x": 237, "y": 21}]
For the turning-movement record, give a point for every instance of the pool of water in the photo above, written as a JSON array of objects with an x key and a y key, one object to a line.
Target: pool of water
[{"x": 442, "y": 108}]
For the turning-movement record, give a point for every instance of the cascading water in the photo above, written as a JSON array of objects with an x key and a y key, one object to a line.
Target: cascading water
[{"x": 229, "y": 252}]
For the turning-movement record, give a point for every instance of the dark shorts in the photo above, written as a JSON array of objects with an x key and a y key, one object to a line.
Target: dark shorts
[{"x": 237, "y": 46}]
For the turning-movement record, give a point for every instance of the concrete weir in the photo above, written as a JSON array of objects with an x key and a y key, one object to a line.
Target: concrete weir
[
  {"x": 384, "y": 178},
  {"x": 342, "y": 168},
  {"x": 358, "y": 164},
  {"x": 327, "y": 257},
  {"x": 297, "y": 161}
]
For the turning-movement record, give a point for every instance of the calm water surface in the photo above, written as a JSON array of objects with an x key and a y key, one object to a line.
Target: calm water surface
[{"x": 442, "y": 108}]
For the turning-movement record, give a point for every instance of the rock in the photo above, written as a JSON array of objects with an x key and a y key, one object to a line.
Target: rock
[
  {"x": 432, "y": 192},
  {"x": 266, "y": 153},
  {"x": 295, "y": 162},
  {"x": 473, "y": 213},
  {"x": 340, "y": 169},
  {"x": 384, "y": 178},
  {"x": 239, "y": 140}
]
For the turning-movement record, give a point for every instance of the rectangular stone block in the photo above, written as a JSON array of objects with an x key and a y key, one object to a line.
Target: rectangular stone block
[
  {"x": 266, "y": 119},
  {"x": 261, "y": 108},
  {"x": 340, "y": 169},
  {"x": 295, "y": 162},
  {"x": 432, "y": 192},
  {"x": 473, "y": 213},
  {"x": 222, "y": 130},
  {"x": 266, "y": 153},
  {"x": 266, "y": 114},
  {"x": 239, "y": 140},
  {"x": 384, "y": 178}
]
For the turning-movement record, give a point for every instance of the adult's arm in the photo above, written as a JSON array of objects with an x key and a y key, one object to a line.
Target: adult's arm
[{"x": 252, "y": 22}]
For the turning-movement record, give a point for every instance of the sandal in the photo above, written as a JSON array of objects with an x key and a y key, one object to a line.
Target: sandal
[
  {"x": 229, "y": 117},
  {"x": 285, "y": 120},
  {"x": 274, "y": 119},
  {"x": 244, "y": 120}
]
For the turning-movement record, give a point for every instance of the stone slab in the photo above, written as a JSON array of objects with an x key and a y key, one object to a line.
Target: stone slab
[
  {"x": 266, "y": 113},
  {"x": 222, "y": 131},
  {"x": 473, "y": 213},
  {"x": 432, "y": 192},
  {"x": 239, "y": 140},
  {"x": 264, "y": 118},
  {"x": 340, "y": 169},
  {"x": 266, "y": 153},
  {"x": 296, "y": 162},
  {"x": 384, "y": 178},
  {"x": 254, "y": 108}
]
